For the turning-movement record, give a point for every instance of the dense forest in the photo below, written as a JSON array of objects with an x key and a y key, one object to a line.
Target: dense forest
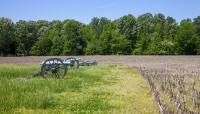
[{"x": 146, "y": 34}]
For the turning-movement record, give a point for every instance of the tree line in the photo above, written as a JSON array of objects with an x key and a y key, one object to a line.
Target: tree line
[{"x": 146, "y": 34}]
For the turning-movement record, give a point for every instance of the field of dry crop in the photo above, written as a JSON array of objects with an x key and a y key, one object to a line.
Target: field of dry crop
[{"x": 175, "y": 85}]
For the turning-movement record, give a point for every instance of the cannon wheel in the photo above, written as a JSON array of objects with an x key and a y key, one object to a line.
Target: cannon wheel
[{"x": 54, "y": 67}]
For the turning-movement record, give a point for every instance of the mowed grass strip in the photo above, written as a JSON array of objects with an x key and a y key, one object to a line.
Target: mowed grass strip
[{"x": 97, "y": 89}]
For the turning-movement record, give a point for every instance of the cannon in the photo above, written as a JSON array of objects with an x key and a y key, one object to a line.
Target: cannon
[
  {"x": 56, "y": 67},
  {"x": 87, "y": 63},
  {"x": 52, "y": 67},
  {"x": 72, "y": 62}
]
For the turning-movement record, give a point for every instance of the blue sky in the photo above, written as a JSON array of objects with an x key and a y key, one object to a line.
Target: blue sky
[{"x": 84, "y": 10}]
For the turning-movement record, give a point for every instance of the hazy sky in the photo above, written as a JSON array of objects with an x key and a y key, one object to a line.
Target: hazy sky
[{"x": 84, "y": 10}]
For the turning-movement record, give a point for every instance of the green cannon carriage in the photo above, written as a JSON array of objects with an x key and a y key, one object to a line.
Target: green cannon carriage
[{"x": 56, "y": 67}]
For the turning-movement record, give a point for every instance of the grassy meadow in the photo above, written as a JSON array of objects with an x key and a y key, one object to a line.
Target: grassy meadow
[{"x": 97, "y": 89}]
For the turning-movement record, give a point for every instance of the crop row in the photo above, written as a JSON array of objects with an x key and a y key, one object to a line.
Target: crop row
[{"x": 175, "y": 87}]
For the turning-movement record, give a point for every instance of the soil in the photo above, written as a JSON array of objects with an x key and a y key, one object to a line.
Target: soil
[{"x": 129, "y": 60}]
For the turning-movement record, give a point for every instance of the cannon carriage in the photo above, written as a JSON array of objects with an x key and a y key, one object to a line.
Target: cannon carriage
[{"x": 56, "y": 67}]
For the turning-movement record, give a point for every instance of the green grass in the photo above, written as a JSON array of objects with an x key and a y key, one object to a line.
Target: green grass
[{"x": 97, "y": 89}]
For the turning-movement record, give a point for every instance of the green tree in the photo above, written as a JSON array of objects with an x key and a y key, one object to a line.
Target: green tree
[
  {"x": 43, "y": 45},
  {"x": 170, "y": 30},
  {"x": 127, "y": 26},
  {"x": 141, "y": 47},
  {"x": 7, "y": 38},
  {"x": 26, "y": 36},
  {"x": 105, "y": 43},
  {"x": 99, "y": 36},
  {"x": 98, "y": 25},
  {"x": 94, "y": 47},
  {"x": 147, "y": 35},
  {"x": 145, "y": 24},
  {"x": 145, "y": 27},
  {"x": 197, "y": 24},
  {"x": 57, "y": 40},
  {"x": 186, "y": 38},
  {"x": 120, "y": 45},
  {"x": 74, "y": 43}
]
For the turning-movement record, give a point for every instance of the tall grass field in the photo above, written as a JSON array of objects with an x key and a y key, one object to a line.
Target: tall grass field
[{"x": 101, "y": 89}]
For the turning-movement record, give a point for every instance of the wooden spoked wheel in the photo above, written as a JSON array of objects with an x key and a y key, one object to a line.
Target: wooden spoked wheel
[{"x": 54, "y": 67}]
